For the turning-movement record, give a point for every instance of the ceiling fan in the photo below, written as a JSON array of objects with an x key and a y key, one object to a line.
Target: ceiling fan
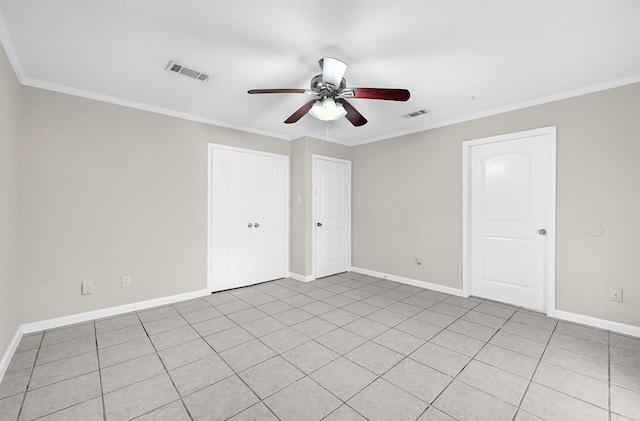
[{"x": 330, "y": 88}]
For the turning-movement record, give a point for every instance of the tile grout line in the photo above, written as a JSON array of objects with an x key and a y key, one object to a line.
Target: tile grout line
[
  {"x": 530, "y": 380},
  {"x": 469, "y": 362},
  {"x": 166, "y": 372},
  {"x": 254, "y": 306},
  {"x": 104, "y": 407},
  {"x": 428, "y": 341},
  {"x": 535, "y": 370},
  {"x": 586, "y": 375},
  {"x": 59, "y": 381},
  {"x": 24, "y": 398},
  {"x": 405, "y": 357},
  {"x": 314, "y": 316},
  {"x": 340, "y": 356},
  {"x": 235, "y": 373},
  {"x": 371, "y": 340}
]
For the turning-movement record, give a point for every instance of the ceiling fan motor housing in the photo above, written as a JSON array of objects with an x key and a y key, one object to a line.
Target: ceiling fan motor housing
[{"x": 319, "y": 86}]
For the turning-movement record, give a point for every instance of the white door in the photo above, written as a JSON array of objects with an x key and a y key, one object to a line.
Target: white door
[
  {"x": 249, "y": 202},
  {"x": 509, "y": 225},
  {"x": 332, "y": 215}
]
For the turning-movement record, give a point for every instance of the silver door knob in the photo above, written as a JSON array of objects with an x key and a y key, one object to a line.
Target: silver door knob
[
  {"x": 542, "y": 231},
  {"x": 250, "y": 225},
  {"x": 256, "y": 225},
  {"x": 319, "y": 224}
]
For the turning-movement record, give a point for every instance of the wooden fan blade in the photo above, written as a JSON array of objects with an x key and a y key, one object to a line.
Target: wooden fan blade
[
  {"x": 301, "y": 112},
  {"x": 277, "y": 91},
  {"x": 353, "y": 115},
  {"x": 333, "y": 71},
  {"x": 377, "y": 93}
]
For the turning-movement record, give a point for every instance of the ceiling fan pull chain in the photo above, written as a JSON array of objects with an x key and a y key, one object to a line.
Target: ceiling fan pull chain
[{"x": 328, "y": 124}]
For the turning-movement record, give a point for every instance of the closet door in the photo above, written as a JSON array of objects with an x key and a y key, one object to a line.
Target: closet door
[{"x": 249, "y": 202}]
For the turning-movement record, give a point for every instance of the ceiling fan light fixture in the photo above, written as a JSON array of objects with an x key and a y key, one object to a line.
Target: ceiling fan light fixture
[{"x": 327, "y": 110}]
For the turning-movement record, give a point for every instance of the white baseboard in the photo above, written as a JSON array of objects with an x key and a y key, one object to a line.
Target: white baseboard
[
  {"x": 301, "y": 278},
  {"x": 558, "y": 314},
  {"x": 595, "y": 322},
  {"x": 6, "y": 358},
  {"x": 89, "y": 315},
  {"x": 108, "y": 312},
  {"x": 409, "y": 281}
]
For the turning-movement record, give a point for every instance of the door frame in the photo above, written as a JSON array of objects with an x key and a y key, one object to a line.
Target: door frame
[
  {"x": 314, "y": 184},
  {"x": 210, "y": 149},
  {"x": 550, "y": 251}
]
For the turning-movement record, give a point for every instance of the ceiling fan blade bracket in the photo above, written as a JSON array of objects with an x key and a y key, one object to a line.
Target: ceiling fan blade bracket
[
  {"x": 385, "y": 94},
  {"x": 279, "y": 91}
]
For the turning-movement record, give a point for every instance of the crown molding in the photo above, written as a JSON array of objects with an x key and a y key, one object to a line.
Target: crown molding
[
  {"x": 145, "y": 107},
  {"x": 7, "y": 43},
  {"x": 513, "y": 107}
]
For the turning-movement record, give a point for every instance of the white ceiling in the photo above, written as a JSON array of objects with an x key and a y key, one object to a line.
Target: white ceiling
[{"x": 505, "y": 53}]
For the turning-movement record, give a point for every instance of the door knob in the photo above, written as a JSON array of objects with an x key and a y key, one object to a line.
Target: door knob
[
  {"x": 319, "y": 224},
  {"x": 542, "y": 231},
  {"x": 250, "y": 225},
  {"x": 256, "y": 225}
]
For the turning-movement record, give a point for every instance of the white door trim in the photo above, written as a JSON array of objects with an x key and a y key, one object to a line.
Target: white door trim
[
  {"x": 313, "y": 208},
  {"x": 210, "y": 149},
  {"x": 550, "y": 254}
]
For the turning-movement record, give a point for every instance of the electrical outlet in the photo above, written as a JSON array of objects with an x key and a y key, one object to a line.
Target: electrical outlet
[
  {"x": 615, "y": 294},
  {"x": 126, "y": 281},
  {"x": 86, "y": 288},
  {"x": 419, "y": 262}
]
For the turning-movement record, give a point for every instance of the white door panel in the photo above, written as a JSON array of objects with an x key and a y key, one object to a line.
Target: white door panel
[
  {"x": 506, "y": 187},
  {"x": 248, "y": 217},
  {"x": 508, "y": 195},
  {"x": 518, "y": 252},
  {"x": 332, "y": 216}
]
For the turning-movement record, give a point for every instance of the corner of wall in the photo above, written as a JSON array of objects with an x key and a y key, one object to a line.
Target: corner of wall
[{"x": 10, "y": 118}]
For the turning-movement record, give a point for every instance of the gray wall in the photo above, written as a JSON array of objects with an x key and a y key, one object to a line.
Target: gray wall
[
  {"x": 302, "y": 151},
  {"x": 298, "y": 165},
  {"x": 109, "y": 191},
  {"x": 408, "y": 200},
  {"x": 10, "y": 107}
]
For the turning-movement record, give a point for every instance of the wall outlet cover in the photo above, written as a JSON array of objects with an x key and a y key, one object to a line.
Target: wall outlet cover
[
  {"x": 615, "y": 294},
  {"x": 86, "y": 288},
  {"x": 126, "y": 281}
]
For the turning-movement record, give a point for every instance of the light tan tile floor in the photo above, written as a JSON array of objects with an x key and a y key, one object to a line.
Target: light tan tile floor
[{"x": 345, "y": 347}]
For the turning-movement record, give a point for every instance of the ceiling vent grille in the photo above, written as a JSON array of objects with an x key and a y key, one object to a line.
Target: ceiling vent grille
[
  {"x": 417, "y": 113},
  {"x": 179, "y": 68}
]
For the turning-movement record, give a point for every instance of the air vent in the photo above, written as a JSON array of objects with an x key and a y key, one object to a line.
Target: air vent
[
  {"x": 417, "y": 113},
  {"x": 179, "y": 68}
]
